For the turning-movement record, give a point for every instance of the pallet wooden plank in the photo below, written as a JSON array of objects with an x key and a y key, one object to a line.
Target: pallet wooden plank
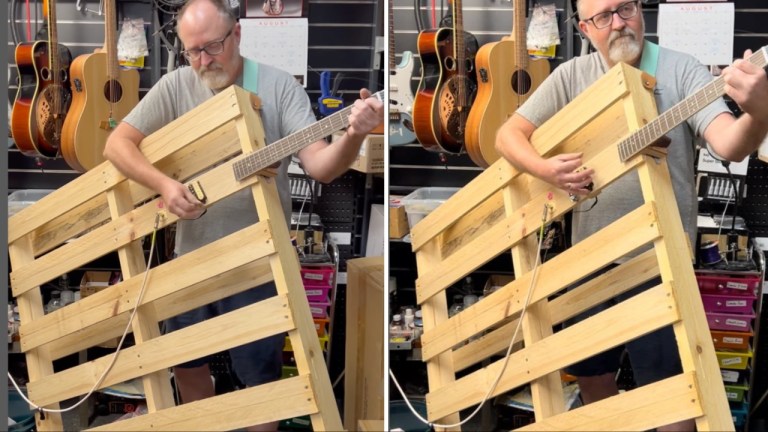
[
  {"x": 214, "y": 335},
  {"x": 614, "y": 326},
  {"x": 269, "y": 402},
  {"x": 536, "y": 319},
  {"x": 39, "y": 362},
  {"x": 609, "y": 89},
  {"x": 177, "y": 134},
  {"x": 217, "y": 183},
  {"x": 630, "y": 274},
  {"x": 285, "y": 269},
  {"x": 663, "y": 402},
  {"x": 697, "y": 352},
  {"x": 637, "y": 228}
]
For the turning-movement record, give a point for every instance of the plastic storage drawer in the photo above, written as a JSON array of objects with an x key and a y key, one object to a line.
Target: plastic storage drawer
[
  {"x": 728, "y": 303},
  {"x": 730, "y": 340},
  {"x": 317, "y": 293},
  {"x": 733, "y": 285},
  {"x": 733, "y": 360},
  {"x": 731, "y": 322},
  {"x": 317, "y": 276}
]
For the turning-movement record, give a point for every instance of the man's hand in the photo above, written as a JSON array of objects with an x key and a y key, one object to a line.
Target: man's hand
[
  {"x": 180, "y": 201},
  {"x": 565, "y": 172},
  {"x": 366, "y": 114},
  {"x": 747, "y": 85}
]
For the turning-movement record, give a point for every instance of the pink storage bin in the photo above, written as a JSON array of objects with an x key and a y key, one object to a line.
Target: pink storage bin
[
  {"x": 317, "y": 293},
  {"x": 728, "y": 303},
  {"x": 734, "y": 322},
  {"x": 319, "y": 309},
  {"x": 728, "y": 284},
  {"x": 317, "y": 275}
]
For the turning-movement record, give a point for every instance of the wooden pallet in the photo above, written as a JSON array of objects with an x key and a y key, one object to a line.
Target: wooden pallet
[
  {"x": 101, "y": 212},
  {"x": 502, "y": 210}
]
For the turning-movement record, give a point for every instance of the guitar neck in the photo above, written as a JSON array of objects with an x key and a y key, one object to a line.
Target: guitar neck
[
  {"x": 518, "y": 31},
  {"x": 458, "y": 36},
  {"x": 110, "y": 42},
  {"x": 280, "y": 149},
  {"x": 684, "y": 109},
  {"x": 391, "y": 37},
  {"x": 53, "y": 46}
]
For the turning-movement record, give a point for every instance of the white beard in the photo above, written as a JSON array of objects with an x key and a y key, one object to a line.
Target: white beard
[
  {"x": 214, "y": 77},
  {"x": 623, "y": 46}
]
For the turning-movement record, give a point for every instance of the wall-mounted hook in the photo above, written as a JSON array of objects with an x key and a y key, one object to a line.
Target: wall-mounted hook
[{"x": 81, "y": 7}]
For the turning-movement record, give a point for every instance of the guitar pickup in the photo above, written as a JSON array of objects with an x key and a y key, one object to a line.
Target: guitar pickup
[{"x": 197, "y": 191}]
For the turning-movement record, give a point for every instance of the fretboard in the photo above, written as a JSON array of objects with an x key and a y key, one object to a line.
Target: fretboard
[
  {"x": 684, "y": 109},
  {"x": 275, "y": 152}
]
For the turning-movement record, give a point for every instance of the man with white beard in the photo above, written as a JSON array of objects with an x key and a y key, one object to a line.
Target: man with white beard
[
  {"x": 211, "y": 35},
  {"x": 616, "y": 29}
]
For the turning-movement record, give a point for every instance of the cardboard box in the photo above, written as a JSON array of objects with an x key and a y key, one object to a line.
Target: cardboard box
[
  {"x": 398, "y": 220},
  {"x": 370, "y": 158},
  {"x": 93, "y": 282},
  {"x": 495, "y": 282},
  {"x": 364, "y": 360}
]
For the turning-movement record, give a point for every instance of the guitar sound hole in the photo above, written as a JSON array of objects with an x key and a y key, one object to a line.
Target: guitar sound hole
[
  {"x": 521, "y": 82},
  {"x": 469, "y": 65},
  {"x": 113, "y": 91},
  {"x": 45, "y": 74},
  {"x": 450, "y": 63},
  {"x": 63, "y": 76}
]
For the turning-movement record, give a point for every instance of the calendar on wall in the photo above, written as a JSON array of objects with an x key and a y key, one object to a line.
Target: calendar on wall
[
  {"x": 704, "y": 30},
  {"x": 281, "y": 43}
]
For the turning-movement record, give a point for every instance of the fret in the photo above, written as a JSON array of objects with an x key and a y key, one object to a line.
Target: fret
[{"x": 291, "y": 144}]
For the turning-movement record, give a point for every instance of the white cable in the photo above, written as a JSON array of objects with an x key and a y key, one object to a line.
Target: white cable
[
  {"x": 119, "y": 345},
  {"x": 506, "y": 356},
  {"x": 722, "y": 219}
]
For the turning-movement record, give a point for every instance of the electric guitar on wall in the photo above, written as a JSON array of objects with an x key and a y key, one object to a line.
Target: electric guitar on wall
[
  {"x": 44, "y": 96},
  {"x": 400, "y": 94},
  {"x": 448, "y": 86},
  {"x": 506, "y": 76},
  {"x": 103, "y": 94}
]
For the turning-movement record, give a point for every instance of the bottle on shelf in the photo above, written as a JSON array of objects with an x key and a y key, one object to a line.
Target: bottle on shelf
[
  {"x": 457, "y": 305},
  {"x": 54, "y": 303},
  {"x": 67, "y": 295},
  {"x": 408, "y": 319},
  {"x": 396, "y": 326}
]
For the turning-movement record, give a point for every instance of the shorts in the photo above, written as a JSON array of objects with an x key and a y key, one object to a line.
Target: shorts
[
  {"x": 254, "y": 363},
  {"x": 653, "y": 357}
]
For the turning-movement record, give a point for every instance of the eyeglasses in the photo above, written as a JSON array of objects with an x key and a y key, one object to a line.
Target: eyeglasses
[
  {"x": 211, "y": 48},
  {"x": 625, "y": 10}
]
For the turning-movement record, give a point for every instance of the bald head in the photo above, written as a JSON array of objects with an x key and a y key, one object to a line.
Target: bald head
[{"x": 203, "y": 10}]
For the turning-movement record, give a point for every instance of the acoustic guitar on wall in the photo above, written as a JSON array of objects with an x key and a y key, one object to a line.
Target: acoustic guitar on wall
[
  {"x": 44, "y": 96},
  {"x": 400, "y": 94},
  {"x": 448, "y": 86},
  {"x": 103, "y": 94},
  {"x": 506, "y": 77}
]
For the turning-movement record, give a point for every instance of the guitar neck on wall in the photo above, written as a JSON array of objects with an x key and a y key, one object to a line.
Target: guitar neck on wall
[
  {"x": 103, "y": 94},
  {"x": 43, "y": 97},
  {"x": 448, "y": 86},
  {"x": 506, "y": 77},
  {"x": 400, "y": 94}
]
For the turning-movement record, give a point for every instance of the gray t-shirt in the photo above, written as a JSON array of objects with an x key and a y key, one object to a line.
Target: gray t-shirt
[
  {"x": 285, "y": 110},
  {"x": 678, "y": 75}
]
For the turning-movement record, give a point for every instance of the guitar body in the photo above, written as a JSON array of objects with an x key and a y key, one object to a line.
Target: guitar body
[
  {"x": 503, "y": 86},
  {"x": 94, "y": 95},
  {"x": 36, "y": 120},
  {"x": 444, "y": 97},
  {"x": 401, "y": 102}
]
